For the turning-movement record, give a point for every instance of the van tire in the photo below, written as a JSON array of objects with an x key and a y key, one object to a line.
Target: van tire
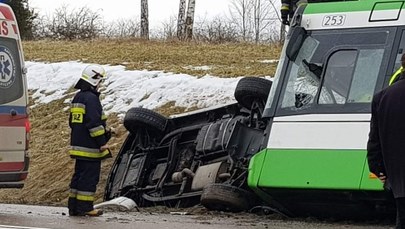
[
  {"x": 250, "y": 89},
  {"x": 225, "y": 197},
  {"x": 138, "y": 117}
]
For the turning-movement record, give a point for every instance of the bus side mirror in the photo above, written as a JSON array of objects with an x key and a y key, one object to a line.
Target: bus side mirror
[{"x": 296, "y": 38}]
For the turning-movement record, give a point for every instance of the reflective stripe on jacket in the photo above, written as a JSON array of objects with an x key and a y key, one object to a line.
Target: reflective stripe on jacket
[{"x": 395, "y": 76}]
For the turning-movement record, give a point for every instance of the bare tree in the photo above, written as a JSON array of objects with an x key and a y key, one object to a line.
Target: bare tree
[
  {"x": 122, "y": 28},
  {"x": 241, "y": 11},
  {"x": 257, "y": 13},
  {"x": 41, "y": 27},
  {"x": 169, "y": 29},
  {"x": 66, "y": 23},
  {"x": 181, "y": 20},
  {"x": 278, "y": 20},
  {"x": 264, "y": 16},
  {"x": 282, "y": 33},
  {"x": 253, "y": 18},
  {"x": 190, "y": 19},
  {"x": 144, "y": 19},
  {"x": 217, "y": 30}
]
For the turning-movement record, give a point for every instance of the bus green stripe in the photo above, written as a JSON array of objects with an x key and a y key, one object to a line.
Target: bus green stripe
[{"x": 350, "y": 6}]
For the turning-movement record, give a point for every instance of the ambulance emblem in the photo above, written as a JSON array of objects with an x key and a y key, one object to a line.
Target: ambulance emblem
[{"x": 7, "y": 68}]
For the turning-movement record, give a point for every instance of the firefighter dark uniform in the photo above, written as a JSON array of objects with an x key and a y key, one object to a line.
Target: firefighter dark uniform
[
  {"x": 88, "y": 134},
  {"x": 288, "y": 8}
]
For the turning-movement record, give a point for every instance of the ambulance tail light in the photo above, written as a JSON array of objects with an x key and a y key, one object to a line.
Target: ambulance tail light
[{"x": 27, "y": 133}]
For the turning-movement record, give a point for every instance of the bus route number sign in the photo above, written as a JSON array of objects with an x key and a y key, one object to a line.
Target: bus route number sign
[{"x": 334, "y": 20}]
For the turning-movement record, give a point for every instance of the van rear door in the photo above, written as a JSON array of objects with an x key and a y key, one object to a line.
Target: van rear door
[{"x": 14, "y": 124}]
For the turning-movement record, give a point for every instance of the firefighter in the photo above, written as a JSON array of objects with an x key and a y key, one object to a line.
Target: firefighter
[
  {"x": 288, "y": 8},
  {"x": 285, "y": 11},
  {"x": 89, "y": 137}
]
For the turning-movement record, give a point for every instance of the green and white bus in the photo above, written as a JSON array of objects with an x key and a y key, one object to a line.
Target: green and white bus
[{"x": 337, "y": 55}]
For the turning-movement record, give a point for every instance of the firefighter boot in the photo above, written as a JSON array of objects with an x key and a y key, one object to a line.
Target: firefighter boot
[
  {"x": 73, "y": 213},
  {"x": 94, "y": 212}
]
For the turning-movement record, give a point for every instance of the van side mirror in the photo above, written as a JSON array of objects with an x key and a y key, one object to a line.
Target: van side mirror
[{"x": 296, "y": 38}]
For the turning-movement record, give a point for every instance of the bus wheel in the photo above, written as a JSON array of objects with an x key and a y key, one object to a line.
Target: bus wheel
[
  {"x": 250, "y": 89},
  {"x": 138, "y": 117},
  {"x": 225, "y": 197}
]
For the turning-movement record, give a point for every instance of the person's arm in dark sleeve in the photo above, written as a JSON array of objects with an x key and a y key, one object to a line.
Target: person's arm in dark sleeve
[
  {"x": 374, "y": 151},
  {"x": 94, "y": 123}
]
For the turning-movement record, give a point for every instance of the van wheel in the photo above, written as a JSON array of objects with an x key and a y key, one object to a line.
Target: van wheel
[
  {"x": 138, "y": 117},
  {"x": 225, "y": 197},
  {"x": 250, "y": 89}
]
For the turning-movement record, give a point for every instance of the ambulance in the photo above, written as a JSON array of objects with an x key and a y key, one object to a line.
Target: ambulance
[
  {"x": 14, "y": 123},
  {"x": 337, "y": 55}
]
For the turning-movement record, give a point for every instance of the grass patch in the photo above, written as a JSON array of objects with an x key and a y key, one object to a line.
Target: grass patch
[
  {"x": 224, "y": 60},
  {"x": 170, "y": 108}
]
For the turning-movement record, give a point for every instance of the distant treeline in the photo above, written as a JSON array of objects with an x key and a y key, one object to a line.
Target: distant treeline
[{"x": 248, "y": 21}]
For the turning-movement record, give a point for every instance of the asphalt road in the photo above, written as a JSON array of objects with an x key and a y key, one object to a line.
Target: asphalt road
[{"x": 25, "y": 216}]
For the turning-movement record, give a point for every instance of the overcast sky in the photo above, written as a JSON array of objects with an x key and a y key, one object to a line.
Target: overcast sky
[{"x": 159, "y": 10}]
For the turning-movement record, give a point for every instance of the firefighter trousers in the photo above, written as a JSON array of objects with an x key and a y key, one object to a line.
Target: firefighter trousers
[{"x": 83, "y": 186}]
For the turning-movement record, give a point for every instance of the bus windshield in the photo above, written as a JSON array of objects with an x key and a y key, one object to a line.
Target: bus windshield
[{"x": 333, "y": 70}]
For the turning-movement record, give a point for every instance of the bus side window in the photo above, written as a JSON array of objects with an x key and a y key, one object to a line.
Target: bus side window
[
  {"x": 338, "y": 77},
  {"x": 399, "y": 53},
  {"x": 351, "y": 76}
]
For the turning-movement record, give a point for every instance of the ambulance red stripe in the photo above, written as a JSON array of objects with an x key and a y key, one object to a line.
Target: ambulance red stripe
[
  {"x": 8, "y": 120},
  {"x": 11, "y": 166},
  {"x": 7, "y": 13},
  {"x": 15, "y": 28}
]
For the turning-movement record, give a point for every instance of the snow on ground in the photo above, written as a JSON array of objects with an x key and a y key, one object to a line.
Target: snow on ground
[{"x": 124, "y": 89}]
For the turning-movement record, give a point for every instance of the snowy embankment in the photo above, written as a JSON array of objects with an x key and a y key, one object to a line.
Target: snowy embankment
[{"x": 124, "y": 89}]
